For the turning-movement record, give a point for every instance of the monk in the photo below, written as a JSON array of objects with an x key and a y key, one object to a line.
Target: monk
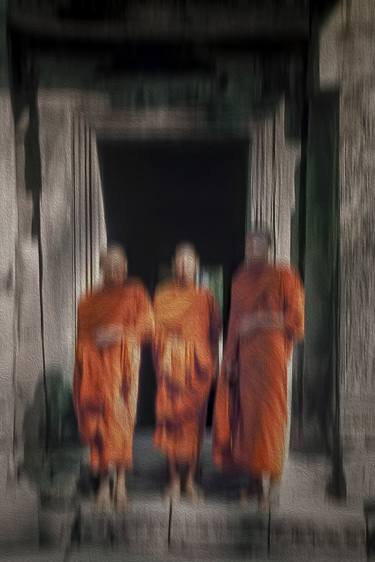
[
  {"x": 113, "y": 322},
  {"x": 187, "y": 330},
  {"x": 250, "y": 411}
]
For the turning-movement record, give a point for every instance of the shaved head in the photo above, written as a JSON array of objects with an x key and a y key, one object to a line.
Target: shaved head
[
  {"x": 261, "y": 234},
  {"x": 186, "y": 262},
  {"x": 185, "y": 248},
  {"x": 113, "y": 251},
  {"x": 258, "y": 243},
  {"x": 114, "y": 264}
]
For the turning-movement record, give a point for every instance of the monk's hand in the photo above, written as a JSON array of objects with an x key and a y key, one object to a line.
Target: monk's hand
[
  {"x": 246, "y": 325},
  {"x": 258, "y": 320},
  {"x": 108, "y": 335},
  {"x": 231, "y": 372},
  {"x": 216, "y": 368},
  {"x": 274, "y": 320}
]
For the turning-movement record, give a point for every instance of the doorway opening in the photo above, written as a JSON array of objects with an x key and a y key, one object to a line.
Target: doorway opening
[{"x": 158, "y": 193}]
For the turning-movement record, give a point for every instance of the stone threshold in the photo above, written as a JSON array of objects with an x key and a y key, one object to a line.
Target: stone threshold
[{"x": 212, "y": 530}]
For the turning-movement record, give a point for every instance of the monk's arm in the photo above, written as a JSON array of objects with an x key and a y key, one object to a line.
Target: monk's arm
[
  {"x": 294, "y": 305},
  {"x": 145, "y": 323},
  {"x": 232, "y": 335},
  {"x": 158, "y": 329},
  {"x": 215, "y": 321},
  {"x": 77, "y": 367},
  {"x": 215, "y": 328}
]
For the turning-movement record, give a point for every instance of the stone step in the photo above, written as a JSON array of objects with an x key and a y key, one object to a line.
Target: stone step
[
  {"x": 218, "y": 529},
  {"x": 218, "y": 526},
  {"x": 18, "y": 516},
  {"x": 107, "y": 555},
  {"x": 305, "y": 523},
  {"x": 96, "y": 554},
  {"x": 143, "y": 527}
]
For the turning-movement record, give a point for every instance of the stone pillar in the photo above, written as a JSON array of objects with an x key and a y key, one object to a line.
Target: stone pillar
[
  {"x": 18, "y": 504},
  {"x": 73, "y": 229},
  {"x": 348, "y": 63},
  {"x": 61, "y": 230},
  {"x": 8, "y": 233},
  {"x": 273, "y": 163}
]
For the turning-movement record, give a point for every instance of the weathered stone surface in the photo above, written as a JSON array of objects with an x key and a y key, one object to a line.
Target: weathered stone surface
[
  {"x": 272, "y": 181},
  {"x": 322, "y": 532},
  {"x": 350, "y": 36},
  {"x": 98, "y": 555},
  {"x": 142, "y": 527},
  {"x": 19, "y": 516},
  {"x": 361, "y": 13},
  {"x": 72, "y": 229},
  {"x": 8, "y": 233},
  {"x": 8, "y": 229},
  {"x": 55, "y": 527},
  {"x": 28, "y": 554},
  {"x": 220, "y": 526},
  {"x": 357, "y": 252},
  {"x": 360, "y": 473}
]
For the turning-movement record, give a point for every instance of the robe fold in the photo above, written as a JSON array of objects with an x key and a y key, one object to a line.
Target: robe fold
[
  {"x": 105, "y": 386},
  {"x": 250, "y": 411},
  {"x": 187, "y": 328}
]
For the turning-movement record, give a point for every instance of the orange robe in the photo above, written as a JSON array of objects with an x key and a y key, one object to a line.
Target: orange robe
[
  {"x": 250, "y": 411},
  {"x": 105, "y": 386},
  {"x": 187, "y": 328}
]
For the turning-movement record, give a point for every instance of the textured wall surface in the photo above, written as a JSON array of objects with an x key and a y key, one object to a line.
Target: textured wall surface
[
  {"x": 350, "y": 35},
  {"x": 357, "y": 257},
  {"x": 8, "y": 233},
  {"x": 357, "y": 177}
]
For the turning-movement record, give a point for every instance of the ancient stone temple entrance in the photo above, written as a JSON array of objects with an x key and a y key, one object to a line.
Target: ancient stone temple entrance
[{"x": 158, "y": 193}]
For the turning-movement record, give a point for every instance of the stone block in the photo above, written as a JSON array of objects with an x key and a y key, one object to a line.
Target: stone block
[
  {"x": 218, "y": 526},
  {"x": 19, "y": 516},
  {"x": 55, "y": 527},
  {"x": 360, "y": 476},
  {"x": 318, "y": 532},
  {"x": 369, "y": 509},
  {"x": 142, "y": 527},
  {"x": 31, "y": 555}
]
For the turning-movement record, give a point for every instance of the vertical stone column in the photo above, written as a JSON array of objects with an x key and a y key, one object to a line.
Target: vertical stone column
[
  {"x": 72, "y": 219},
  {"x": 18, "y": 504},
  {"x": 57, "y": 260},
  {"x": 357, "y": 242},
  {"x": 271, "y": 191},
  {"x": 349, "y": 65},
  {"x": 90, "y": 235},
  {"x": 8, "y": 233}
]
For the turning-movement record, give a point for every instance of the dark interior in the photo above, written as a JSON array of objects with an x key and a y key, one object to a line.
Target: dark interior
[{"x": 161, "y": 192}]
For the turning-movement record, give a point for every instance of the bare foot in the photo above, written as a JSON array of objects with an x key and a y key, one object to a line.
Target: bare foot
[
  {"x": 173, "y": 491},
  {"x": 275, "y": 496},
  {"x": 244, "y": 498},
  {"x": 121, "y": 499},
  {"x": 103, "y": 501},
  {"x": 193, "y": 493},
  {"x": 264, "y": 503}
]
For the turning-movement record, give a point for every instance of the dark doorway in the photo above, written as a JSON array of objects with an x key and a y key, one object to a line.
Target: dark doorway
[
  {"x": 318, "y": 392},
  {"x": 161, "y": 192}
]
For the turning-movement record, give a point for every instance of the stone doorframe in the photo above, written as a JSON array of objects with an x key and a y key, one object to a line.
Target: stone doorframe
[{"x": 73, "y": 228}]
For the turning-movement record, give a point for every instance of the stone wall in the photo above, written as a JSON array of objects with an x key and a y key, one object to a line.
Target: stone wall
[
  {"x": 347, "y": 50},
  {"x": 8, "y": 235}
]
